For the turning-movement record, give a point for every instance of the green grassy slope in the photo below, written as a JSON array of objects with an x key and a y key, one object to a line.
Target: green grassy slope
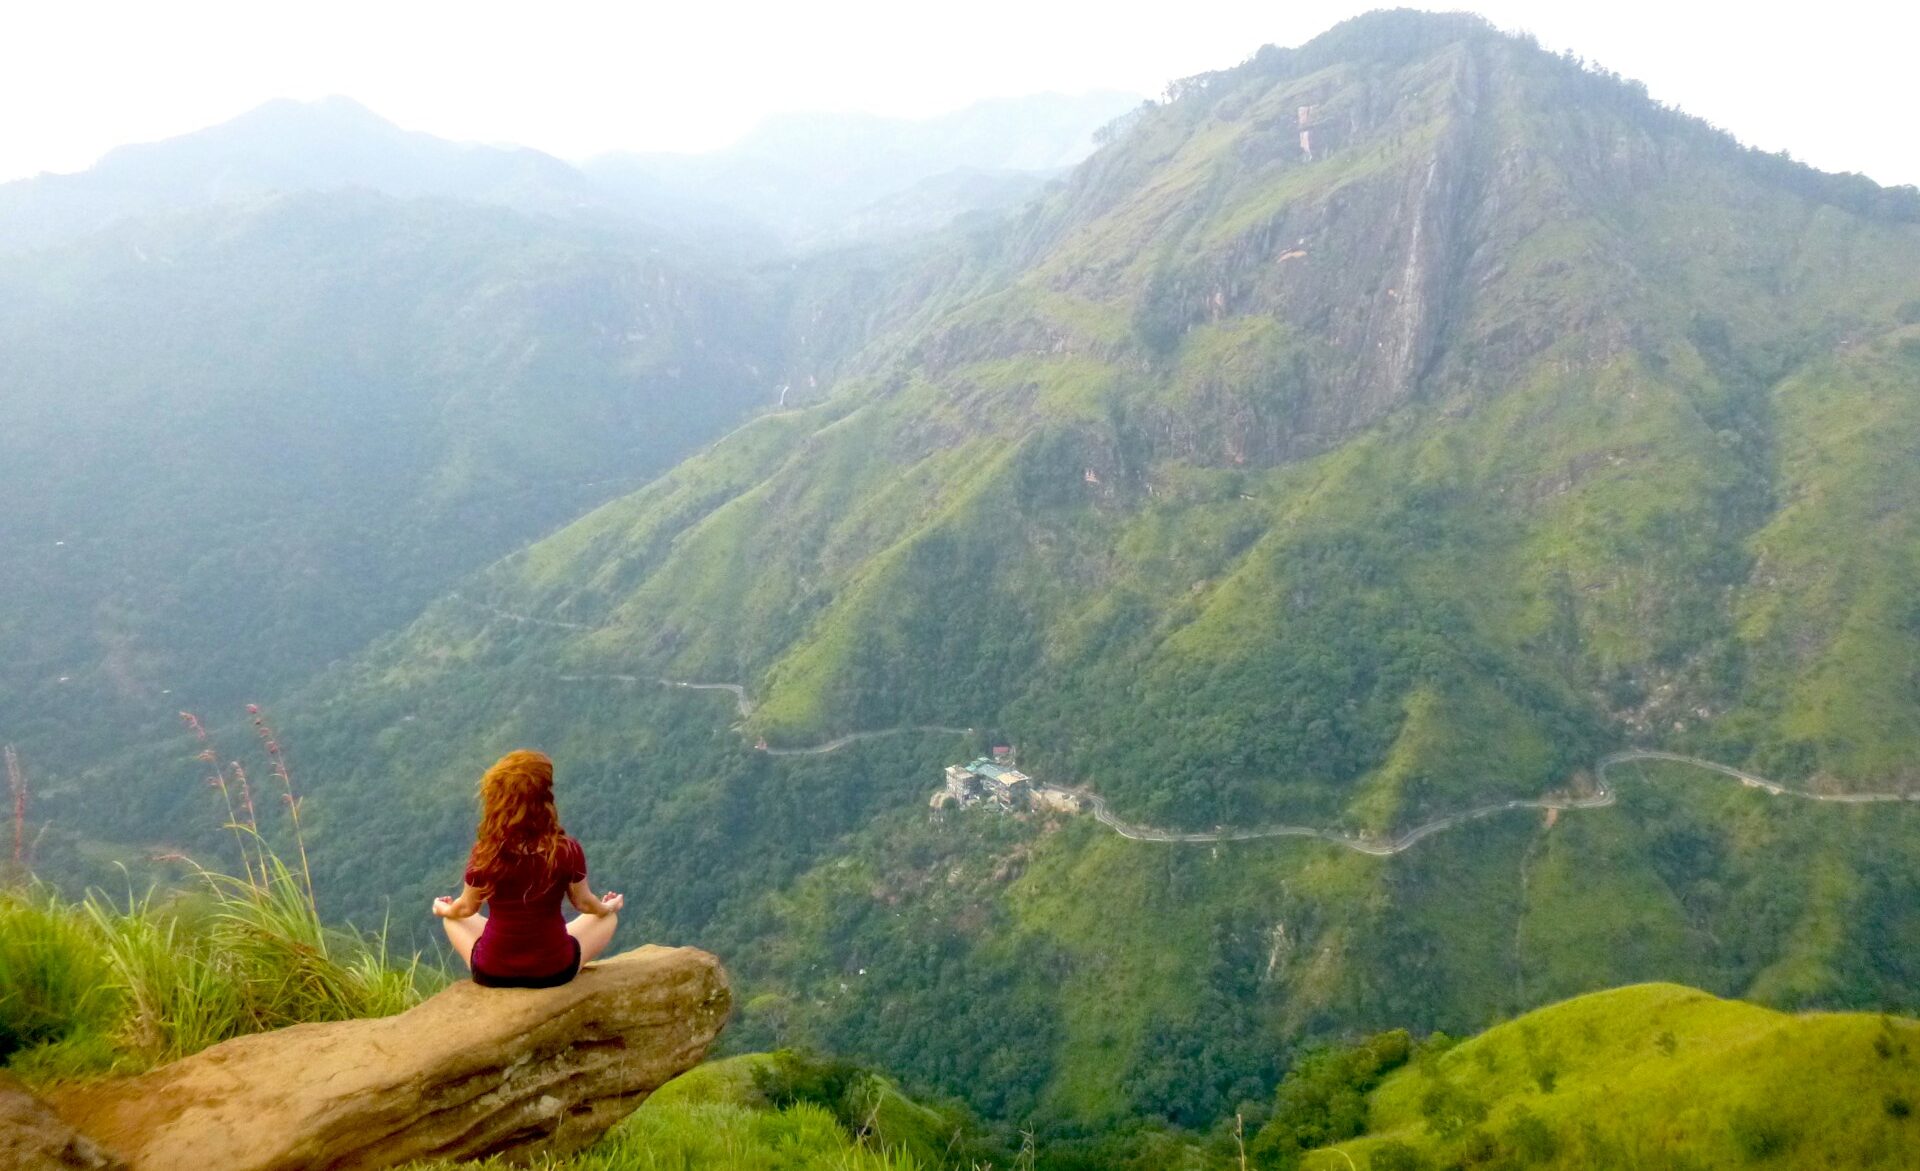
[{"x": 1657, "y": 1075}]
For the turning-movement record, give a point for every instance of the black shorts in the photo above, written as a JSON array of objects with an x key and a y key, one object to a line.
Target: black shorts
[{"x": 554, "y": 981}]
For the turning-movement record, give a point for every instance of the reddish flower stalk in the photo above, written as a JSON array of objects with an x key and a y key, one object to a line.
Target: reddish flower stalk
[
  {"x": 17, "y": 781},
  {"x": 219, "y": 782},
  {"x": 253, "y": 825},
  {"x": 246, "y": 795},
  {"x": 272, "y": 744}
]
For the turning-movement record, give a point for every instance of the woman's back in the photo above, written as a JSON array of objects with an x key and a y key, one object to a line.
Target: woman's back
[
  {"x": 521, "y": 867},
  {"x": 526, "y": 933}
]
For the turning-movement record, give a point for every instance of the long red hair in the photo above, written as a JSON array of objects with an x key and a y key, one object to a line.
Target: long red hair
[{"x": 517, "y": 816}]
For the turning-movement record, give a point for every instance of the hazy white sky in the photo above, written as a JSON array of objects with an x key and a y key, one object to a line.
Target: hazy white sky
[{"x": 1832, "y": 82}]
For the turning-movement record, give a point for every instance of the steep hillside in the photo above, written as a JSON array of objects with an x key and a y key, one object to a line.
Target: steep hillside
[
  {"x": 1656, "y": 1076},
  {"x": 1376, "y": 430},
  {"x": 1507, "y": 417},
  {"x": 241, "y": 443}
]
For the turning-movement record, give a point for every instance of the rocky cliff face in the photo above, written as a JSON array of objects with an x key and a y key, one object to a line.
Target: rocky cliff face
[{"x": 472, "y": 1072}]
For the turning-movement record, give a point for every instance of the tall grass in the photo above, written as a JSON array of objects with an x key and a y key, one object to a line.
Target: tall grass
[
  {"x": 97, "y": 986},
  {"x": 56, "y": 982},
  {"x": 100, "y": 986},
  {"x": 244, "y": 956}
]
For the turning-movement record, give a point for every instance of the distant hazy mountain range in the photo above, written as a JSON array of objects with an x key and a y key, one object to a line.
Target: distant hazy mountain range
[
  {"x": 798, "y": 178},
  {"x": 809, "y": 176}
]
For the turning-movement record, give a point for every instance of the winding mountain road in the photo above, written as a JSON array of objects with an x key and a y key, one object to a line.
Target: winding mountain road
[
  {"x": 744, "y": 705},
  {"x": 1385, "y": 847},
  {"x": 740, "y": 700},
  {"x": 1604, "y": 794},
  {"x": 839, "y": 742}
]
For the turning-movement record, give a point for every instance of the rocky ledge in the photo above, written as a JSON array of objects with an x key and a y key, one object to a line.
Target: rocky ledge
[{"x": 469, "y": 1073}]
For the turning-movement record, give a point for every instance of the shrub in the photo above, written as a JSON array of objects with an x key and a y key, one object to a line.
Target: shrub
[
  {"x": 1476, "y": 1148},
  {"x": 1323, "y": 1097},
  {"x": 1394, "y": 1155},
  {"x": 1530, "y": 1139},
  {"x": 801, "y": 1137},
  {"x": 1449, "y": 1110},
  {"x": 1760, "y": 1135}
]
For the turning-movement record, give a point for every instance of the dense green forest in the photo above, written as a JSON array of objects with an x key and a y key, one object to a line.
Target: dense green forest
[{"x": 1373, "y": 430}]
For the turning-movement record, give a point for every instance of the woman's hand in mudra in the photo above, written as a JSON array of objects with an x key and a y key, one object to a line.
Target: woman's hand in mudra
[
  {"x": 464, "y": 907},
  {"x": 612, "y": 902}
]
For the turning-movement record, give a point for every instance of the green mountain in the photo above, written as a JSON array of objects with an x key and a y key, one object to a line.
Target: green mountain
[
  {"x": 243, "y": 441},
  {"x": 1654, "y": 1076},
  {"x": 1402, "y": 419},
  {"x": 1376, "y": 430},
  {"x": 283, "y": 147}
]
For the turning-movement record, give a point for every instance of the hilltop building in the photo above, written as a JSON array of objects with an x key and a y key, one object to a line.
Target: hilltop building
[
  {"x": 993, "y": 782},
  {"x": 986, "y": 779}
]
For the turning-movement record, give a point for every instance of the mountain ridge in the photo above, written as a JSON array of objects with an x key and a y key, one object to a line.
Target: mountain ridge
[
  {"x": 282, "y": 146},
  {"x": 336, "y": 143}
]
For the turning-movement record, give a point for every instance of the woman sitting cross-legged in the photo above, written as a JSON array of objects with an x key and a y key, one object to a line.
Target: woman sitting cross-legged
[{"x": 522, "y": 863}]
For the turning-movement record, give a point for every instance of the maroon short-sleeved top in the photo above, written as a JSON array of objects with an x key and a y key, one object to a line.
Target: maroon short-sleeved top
[{"x": 526, "y": 934}]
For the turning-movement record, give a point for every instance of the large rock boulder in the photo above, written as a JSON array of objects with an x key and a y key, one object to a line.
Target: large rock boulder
[{"x": 471, "y": 1072}]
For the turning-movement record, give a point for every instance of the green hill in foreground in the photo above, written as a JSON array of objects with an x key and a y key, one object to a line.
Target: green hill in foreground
[
  {"x": 1654, "y": 1076},
  {"x": 777, "y": 1110}
]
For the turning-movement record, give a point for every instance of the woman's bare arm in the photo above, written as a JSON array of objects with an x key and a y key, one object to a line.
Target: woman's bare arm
[
  {"x": 582, "y": 897},
  {"x": 470, "y": 901}
]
